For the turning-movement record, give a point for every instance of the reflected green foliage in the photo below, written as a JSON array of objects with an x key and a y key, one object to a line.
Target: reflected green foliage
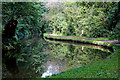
[
  {"x": 75, "y": 56},
  {"x": 29, "y": 61},
  {"x": 23, "y": 56},
  {"x": 107, "y": 68}
]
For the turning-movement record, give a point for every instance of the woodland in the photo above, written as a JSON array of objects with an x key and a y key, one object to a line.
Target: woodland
[{"x": 24, "y": 23}]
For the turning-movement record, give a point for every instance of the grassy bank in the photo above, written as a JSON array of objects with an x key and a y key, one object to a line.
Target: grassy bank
[
  {"x": 106, "y": 68},
  {"x": 81, "y": 40},
  {"x": 101, "y": 38}
]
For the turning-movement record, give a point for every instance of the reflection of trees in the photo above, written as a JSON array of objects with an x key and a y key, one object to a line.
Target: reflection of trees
[
  {"x": 58, "y": 50},
  {"x": 9, "y": 64},
  {"x": 29, "y": 60},
  {"x": 95, "y": 54},
  {"x": 36, "y": 58},
  {"x": 53, "y": 67},
  {"x": 75, "y": 55}
]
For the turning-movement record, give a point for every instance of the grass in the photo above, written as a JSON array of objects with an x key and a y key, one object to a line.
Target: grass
[
  {"x": 107, "y": 68},
  {"x": 92, "y": 41},
  {"x": 89, "y": 46},
  {"x": 101, "y": 38}
]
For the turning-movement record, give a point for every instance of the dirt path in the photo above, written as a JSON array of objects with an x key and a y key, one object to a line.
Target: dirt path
[{"x": 109, "y": 41}]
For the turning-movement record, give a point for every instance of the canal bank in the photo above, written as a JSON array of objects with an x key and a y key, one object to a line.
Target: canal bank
[
  {"x": 80, "y": 40},
  {"x": 107, "y": 68}
]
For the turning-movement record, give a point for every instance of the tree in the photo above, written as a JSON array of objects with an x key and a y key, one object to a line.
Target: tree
[
  {"x": 28, "y": 15},
  {"x": 97, "y": 19}
]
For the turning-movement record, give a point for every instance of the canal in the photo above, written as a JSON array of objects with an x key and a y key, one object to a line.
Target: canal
[{"x": 42, "y": 58}]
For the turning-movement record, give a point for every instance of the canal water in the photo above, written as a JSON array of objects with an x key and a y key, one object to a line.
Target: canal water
[{"x": 41, "y": 58}]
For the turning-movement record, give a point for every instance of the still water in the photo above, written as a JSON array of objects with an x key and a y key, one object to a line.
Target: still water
[{"x": 40, "y": 58}]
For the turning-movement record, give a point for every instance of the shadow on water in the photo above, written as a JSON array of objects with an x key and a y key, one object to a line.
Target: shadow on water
[
  {"x": 9, "y": 63},
  {"x": 39, "y": 58},
  {"x": 11, "y": 66}
]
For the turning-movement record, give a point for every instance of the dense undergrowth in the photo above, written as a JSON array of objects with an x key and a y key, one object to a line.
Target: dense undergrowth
[{"x": 96, "y": 19}]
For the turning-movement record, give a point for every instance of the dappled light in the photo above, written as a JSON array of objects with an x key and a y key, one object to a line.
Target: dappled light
[{"x": 60, "y": 39}]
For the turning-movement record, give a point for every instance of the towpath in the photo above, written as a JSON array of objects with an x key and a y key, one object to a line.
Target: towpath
[{"x": 109, "y": 41}]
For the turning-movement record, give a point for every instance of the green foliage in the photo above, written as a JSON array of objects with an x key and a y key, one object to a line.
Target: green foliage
[
  {"x": 30, "y": 21},
  {"x": 97, "y": 19},
  {"x": 28, "y": 14},
  {"x": 59, "y": 24},
  {"x": 115, "y": 31}
]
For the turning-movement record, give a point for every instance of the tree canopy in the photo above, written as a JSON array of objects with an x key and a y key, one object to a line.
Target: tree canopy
[
  {"x": 28, "y": 14},
  {"x": 97, "y": 19}
]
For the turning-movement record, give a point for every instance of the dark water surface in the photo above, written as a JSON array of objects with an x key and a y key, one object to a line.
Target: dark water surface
[{"x": 39, "y": 58}]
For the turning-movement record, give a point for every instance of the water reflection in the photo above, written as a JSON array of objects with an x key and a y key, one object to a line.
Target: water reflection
[
  {"x": 11, "y": 66},
  {"x": 72, "y": 56},
  {"x": 53, "y": 67},
  {"x": 47, "y": 58},
  {"x": 81, "y": 43}
]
